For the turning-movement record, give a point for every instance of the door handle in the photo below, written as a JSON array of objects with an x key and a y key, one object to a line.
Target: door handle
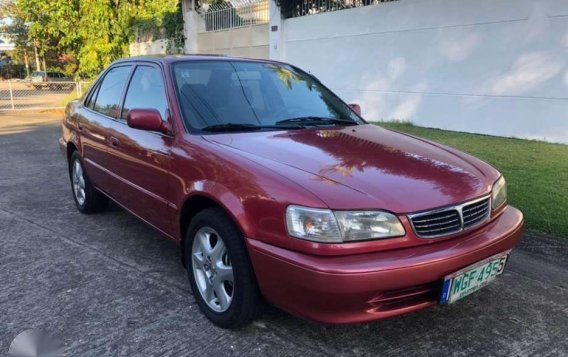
[
  {"x": 114, "y": 141},
  {"x": 80, "y": 126}
]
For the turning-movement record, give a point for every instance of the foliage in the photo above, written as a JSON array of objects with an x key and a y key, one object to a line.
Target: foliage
[
  {"x": 536, "y": 172},
  {"x": 160, "y": 19},
  {"x": 173, "y": 26},
  {"x": 52, "y": 24},
  {"x": 288, "y": 8},
  {"x": 91, "y": 33},
  {"x": 295, "y": 8},
  {"x": 12, "y": 71},
  {"x": 104, "y": 28}
]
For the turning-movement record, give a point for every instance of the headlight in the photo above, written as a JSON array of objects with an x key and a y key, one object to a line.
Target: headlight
[
  {"x": 499, "y": 193},
  {"x": 323, "y": 225},
  {"x": 314, "y": 224},
  {"x": 365, "y": 225}
]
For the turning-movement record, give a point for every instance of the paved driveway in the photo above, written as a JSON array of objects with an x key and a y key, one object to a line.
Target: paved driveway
[{"x": 108, "y": 285}]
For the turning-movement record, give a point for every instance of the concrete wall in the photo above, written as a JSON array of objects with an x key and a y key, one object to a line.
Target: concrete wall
[
  {"x": 249, "y": 41},
  {"x": 484, "y": 66},
  {"x": 157, "y": 47}
]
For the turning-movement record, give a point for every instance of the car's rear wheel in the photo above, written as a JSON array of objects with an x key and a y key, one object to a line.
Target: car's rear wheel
[
  {"x": 87, "y": 198},
  {"x": 219, "y": 270}
]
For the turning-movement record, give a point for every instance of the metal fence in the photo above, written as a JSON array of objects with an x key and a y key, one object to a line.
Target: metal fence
[
  {"x": 233, "y": 14},
  {"x": 25, "y": 95},
  {"x": 297, "y": 8}
]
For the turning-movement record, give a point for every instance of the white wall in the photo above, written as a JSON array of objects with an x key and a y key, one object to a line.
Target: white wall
[
  {"x": 484, "y": 66},
  {"x": 248, "y": 41},
  {"x": 158, "y": 47}
]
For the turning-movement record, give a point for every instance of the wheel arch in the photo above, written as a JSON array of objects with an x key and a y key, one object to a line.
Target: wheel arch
[
  {"x": 197, "y": 202},
  {"x": 71, "y": 148}
]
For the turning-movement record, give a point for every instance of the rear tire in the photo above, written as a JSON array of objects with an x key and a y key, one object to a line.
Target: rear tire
[
  {"x": 213, "y": 246},
  {"x": 87, "y": 198}
]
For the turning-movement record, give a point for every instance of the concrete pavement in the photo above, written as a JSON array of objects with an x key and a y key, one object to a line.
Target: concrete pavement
[{"x": 108, "y": 285}]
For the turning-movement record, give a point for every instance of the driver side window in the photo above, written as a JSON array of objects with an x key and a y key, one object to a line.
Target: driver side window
[{"x": 146, "y": 91}]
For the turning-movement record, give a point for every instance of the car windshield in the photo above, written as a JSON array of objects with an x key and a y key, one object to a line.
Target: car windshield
[
  {"x": 38, "y": 74},
  {"x": 240, "y": 96}
]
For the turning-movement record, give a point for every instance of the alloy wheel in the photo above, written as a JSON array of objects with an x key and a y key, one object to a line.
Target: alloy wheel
[
  {"x": 212, "y": 269},
  {"x": 78, "y": 181}
]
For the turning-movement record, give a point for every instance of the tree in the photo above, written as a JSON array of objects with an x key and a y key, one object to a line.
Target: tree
[
  {"x": 52, "y": 24},
  {"x": 104, "y": 29},
  {"x": 94, "y": 32},
  {"x": 23, "y": 51}
]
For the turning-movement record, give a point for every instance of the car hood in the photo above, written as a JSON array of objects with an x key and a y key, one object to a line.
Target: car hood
[{"x": 365, "y": 166}]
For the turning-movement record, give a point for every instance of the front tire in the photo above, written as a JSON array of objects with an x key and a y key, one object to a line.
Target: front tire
[
  {"x": 87, "y": 198},
  {"x": 219, "y": 270}
]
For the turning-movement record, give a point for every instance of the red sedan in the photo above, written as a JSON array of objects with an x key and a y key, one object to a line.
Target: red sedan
[{"x": 276, "y": 189}]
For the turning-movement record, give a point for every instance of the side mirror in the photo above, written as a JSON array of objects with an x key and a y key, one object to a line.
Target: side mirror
[
  {"x": 146, "y": 119},
  {"x": 356, "y": 108}
]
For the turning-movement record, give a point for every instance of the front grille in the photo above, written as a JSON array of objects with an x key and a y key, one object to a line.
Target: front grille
[
  {"x": 475, "y": 213},
  {"x": 439, "y": 223},
  {"x": 450, "y": 220}
]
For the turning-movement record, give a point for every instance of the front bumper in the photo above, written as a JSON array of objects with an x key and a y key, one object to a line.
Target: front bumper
[{"x": 373, "y": 286}]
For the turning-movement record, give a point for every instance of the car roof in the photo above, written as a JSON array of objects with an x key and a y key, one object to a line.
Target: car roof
[{"x": 191, "y": 57}]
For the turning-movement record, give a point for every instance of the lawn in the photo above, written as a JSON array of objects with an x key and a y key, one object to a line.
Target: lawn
[{"x": 536, "y": 172}]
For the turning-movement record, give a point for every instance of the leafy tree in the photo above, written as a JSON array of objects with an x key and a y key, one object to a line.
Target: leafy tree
[
  {"x": 87, "y": 35},
  {"x": 104, "y": 29},
  {"x": 159, "y": 19},
  {"x": 52, "y": 24}
]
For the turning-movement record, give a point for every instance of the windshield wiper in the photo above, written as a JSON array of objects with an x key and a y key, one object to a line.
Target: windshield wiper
[
  {"x": 232, "y": 127},
  {"x": 313, "y": 120}
]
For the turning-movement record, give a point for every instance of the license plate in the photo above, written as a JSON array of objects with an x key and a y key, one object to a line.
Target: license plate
[{"x": 472, "y": 278}]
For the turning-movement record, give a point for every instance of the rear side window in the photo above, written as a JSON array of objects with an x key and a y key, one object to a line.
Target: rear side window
[
  {"x": 90, "y": 102},
  {"x": 108, "y": 97},
  {"x": 146, "y": 91}
]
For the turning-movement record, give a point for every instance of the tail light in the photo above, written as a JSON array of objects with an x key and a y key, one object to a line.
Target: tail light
[{"x": 45, "y": 79}]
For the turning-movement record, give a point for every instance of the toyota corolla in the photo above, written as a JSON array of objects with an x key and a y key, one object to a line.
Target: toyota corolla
[{"x": 276, "y": 190}]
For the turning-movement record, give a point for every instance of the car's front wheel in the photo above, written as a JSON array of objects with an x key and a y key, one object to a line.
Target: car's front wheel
[
  {"x": 87, "y": 198},
  {"x": 219, "y": 270}
]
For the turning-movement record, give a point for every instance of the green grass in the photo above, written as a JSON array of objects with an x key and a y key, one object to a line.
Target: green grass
[{"x": 536, "y": 172}]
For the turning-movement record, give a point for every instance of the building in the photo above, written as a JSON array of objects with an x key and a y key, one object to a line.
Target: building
[{"x": 490, "y": 67}]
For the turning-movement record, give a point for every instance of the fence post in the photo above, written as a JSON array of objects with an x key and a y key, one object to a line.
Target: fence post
[
  {"x": 78, "y": 88},
  {"x": 11, "y": 93}
]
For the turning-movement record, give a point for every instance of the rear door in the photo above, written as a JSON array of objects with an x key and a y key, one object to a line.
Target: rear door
[
  {"x": 141, "y": 159},
  {"x": 94, "y": 121}
]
